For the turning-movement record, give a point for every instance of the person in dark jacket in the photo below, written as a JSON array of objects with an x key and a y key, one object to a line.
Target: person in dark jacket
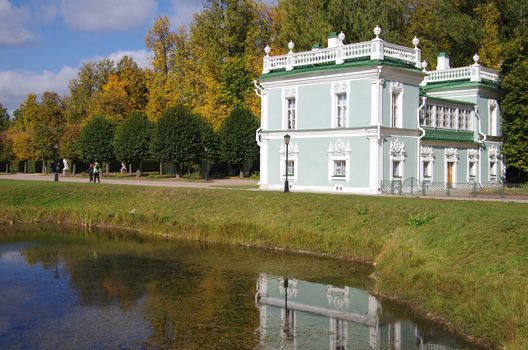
[{"x": 91, "y": 172}]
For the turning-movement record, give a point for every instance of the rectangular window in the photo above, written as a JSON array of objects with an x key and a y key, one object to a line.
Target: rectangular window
[
  {"x": 472, "y": 170},
  {"x": 340, "y": 168},
  {"x": 395, "y": 109},
  {"x": 493, "y": 120},
  {"x": 291, "y": 168},
  {"x": 341, "y": 110},
  {"x": 427, "y": 168},
  {"x": 396, "y": 168},
  {"x": 291, "y": 113},
  {"x": 493, "y": 170}
]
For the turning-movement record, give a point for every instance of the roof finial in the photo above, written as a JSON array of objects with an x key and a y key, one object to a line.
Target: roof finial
[
  {"x": 291, "y": 45},
  {"x": 377, "y": 31},
  {"x": 415, "y": 42},
  {"x": 267, "y": 50},
  {"x": 476, "y": 58},
  {"x": 424, "y": 65}
]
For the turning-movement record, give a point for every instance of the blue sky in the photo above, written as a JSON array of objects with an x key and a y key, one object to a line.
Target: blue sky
[{"x": 43, "y": 42}]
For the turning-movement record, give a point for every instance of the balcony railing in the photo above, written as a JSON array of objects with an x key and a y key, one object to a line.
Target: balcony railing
[
  {"x": 376, "y": 49},
  {"x": 474, "y": 73}
]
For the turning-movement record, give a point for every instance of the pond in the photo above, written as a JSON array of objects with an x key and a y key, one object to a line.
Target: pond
[{"x": 73, "y": 289}]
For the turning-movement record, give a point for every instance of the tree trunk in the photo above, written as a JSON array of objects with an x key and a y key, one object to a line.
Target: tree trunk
[
  {"x": 178, "y": 170},
  {"x": 107, "y": 167},
  {"x": 241, "y": 172},
  {"x": 140, "y": 167},
  {"x": 161, "y": 168},
  {"x": 43, "y": 167},
  {"x": 73, "y": 168},
  {"x": 129, "y": 168},
  {"x": 25, "y": 166}
]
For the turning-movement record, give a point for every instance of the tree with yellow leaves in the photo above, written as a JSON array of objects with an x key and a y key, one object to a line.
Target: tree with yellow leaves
[{"x": 112, "y": 101}]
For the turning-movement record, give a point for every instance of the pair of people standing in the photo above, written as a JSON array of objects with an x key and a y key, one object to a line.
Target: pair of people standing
[{"x": 94, "y": 172}]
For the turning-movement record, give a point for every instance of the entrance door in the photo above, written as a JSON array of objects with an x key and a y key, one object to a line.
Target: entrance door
[{"x": 450, "y": 174}]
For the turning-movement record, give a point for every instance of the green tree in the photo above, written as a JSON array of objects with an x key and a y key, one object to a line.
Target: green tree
[
  {"x": 514, "y": 83},
  {"x": 90, "y": 80},
  {"x": 51, "y": 111},
  {"x": 5, "y": 121},
  {"x": 178, "y": 137},
  {"x": 96, "y": 140},
  {"x": 132, "y": 139},
  {"x": 237, "y": 137},
  {"x": 69, "y": 144},
  {"x": 42, "y": 144}
]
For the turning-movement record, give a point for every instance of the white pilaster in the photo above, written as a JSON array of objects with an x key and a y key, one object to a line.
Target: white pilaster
[
  {"x": 374, "y": 164},
  {"x": 264, "y": 163}
]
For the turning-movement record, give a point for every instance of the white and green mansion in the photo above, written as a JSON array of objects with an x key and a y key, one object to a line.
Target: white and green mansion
[{"x": 364, "y": 115}]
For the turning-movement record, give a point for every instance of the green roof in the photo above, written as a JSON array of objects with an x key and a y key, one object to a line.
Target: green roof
[
  {"x": 449, "y": 85},
  {"x": 349, "y": 63},
  {"x": 448, "y": 135},
  {"x": 445, "y": 100}
]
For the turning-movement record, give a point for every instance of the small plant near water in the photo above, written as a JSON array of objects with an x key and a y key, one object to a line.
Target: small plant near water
[
  {"x": 419, "y": 219},
  {"x": 361, "y": 210}
]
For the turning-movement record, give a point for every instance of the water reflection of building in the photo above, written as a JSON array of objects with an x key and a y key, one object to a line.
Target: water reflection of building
[{"x": 321, "y": 316}]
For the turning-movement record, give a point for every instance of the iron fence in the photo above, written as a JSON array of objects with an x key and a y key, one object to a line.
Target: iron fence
[{"x": 414, "y": 187}]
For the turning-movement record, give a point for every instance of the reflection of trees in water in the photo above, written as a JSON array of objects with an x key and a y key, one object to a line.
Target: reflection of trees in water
[{"x": 186, "y": 305}]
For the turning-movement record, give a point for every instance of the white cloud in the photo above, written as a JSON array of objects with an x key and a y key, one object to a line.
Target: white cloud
[
  {"x": 183, "y": 11},
  {"x": 15, "y": 85},
  {"x": 103, "y": 15},
  {"x": 141, "y": 57},
  {"x": 12, "y": 19}
]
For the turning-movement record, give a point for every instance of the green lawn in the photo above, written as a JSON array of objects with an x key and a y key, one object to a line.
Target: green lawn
[{"x": 463, "y": 261}]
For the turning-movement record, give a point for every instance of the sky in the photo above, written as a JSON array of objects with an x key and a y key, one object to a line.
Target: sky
[{"x": 44, "y": 42}]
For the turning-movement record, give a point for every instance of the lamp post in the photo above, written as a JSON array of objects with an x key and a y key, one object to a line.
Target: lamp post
[
  {"x": 287, "y": 142},
  {"x": 56, "y": 146},
  {"x": 206, "y": 165}
]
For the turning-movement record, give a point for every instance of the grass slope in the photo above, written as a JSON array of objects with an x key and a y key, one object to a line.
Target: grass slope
[{"x": 464, "y": 261}]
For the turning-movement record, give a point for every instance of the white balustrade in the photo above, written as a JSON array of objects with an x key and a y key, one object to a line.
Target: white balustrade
[
  {"x": 356, "y": 50},
  {"x": 399, "y": 52},
  {"x": 337, "y": 55},
  {"x": 489, "y": 74},
  {"x": 462, "y": 73}
]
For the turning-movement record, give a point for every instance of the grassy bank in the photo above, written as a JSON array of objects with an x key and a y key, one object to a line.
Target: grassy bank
[{"x": 464, "y": 261}]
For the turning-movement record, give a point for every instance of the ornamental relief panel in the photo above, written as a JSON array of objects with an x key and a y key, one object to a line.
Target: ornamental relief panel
[
  {"x": 340, "y": 87},
  {"x": 339, "y": 147},
  {"x": 426, "y": 151},
  {"x": 473, "y": 154},
  {"x": 451, "y": 153},
  {"x": 289, "y": 92},
  {"x": 493, "y": 152},
  {"x": 292, "y": 148},
  {"x": 396, "y": 86},
  {"x": 397, "y": 148}
]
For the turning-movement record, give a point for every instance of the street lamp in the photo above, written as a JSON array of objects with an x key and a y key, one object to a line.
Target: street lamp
[
  {"x": 287, "y": 142},
  {"x": 206, "y": 165},
  {"x": 56, "y": 146}
]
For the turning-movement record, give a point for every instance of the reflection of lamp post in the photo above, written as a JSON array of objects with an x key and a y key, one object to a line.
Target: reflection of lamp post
[
  {"x": 56, "y": 147},
  {"x": 286, "y": 184}
]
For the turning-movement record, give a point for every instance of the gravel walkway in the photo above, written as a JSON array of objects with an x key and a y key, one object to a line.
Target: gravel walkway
[{"x": 135, "y": 181}]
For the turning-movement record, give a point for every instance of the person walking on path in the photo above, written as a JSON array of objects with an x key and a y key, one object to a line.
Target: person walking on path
[
  {"x": 91, "y": 172},
  {"x": 96, "y": 171}
]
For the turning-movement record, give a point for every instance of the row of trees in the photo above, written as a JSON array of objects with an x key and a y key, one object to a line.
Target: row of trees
[
  {"x": 209, "y": 67},
  {"x": 179, "y": 136}
]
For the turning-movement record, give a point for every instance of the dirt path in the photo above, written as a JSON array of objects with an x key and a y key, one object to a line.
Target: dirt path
[{"x": 136, "y": 182}]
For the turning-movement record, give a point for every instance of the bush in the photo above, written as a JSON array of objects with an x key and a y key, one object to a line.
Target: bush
[{"x": 419, "y": 219}]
